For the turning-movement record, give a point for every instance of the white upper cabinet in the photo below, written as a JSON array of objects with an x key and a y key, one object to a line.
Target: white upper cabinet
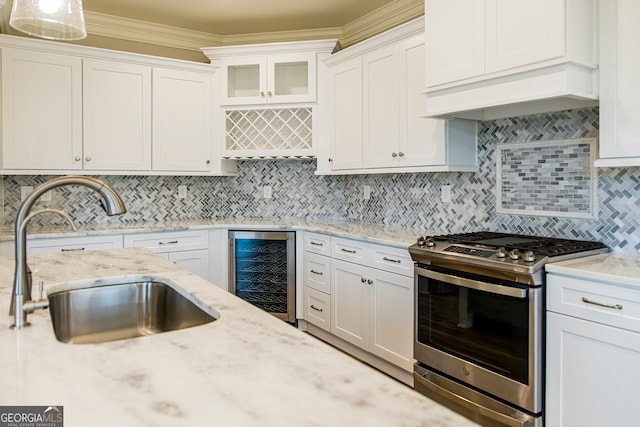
[
  {"x": 499, "y": 58},
  {"x": 68, "y": 108},
  {"x": 117, "y": 116},
  {"x": 270, "y": 73},
  {"x": 41, "y": 110},
  {"x": 619, "y": 83},
  {"x": 182, "y": 120},
  {"x": 273, "y": 79},
  {"x": 377, "y": 111}
]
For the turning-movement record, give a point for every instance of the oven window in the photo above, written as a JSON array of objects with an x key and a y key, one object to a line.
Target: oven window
[{"x": 486, "y": 329}]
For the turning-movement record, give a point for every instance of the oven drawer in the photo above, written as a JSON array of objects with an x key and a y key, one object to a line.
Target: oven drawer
[
  {"x": 317, "y": 243},
  {"x": 595, "y": 301}
]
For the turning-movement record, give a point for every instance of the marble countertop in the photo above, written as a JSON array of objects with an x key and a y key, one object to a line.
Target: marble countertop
[
  {"x": 613, "y": 268},
  {"x": 245, "y": 369},
  {"x": 386, "y": 235}
]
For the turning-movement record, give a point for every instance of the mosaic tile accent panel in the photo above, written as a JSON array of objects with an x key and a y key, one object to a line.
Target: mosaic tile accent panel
[{"x": 555, "y": 178}]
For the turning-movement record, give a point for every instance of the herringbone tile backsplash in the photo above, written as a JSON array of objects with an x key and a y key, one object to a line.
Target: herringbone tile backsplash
[{"x": 409, "y": 200}]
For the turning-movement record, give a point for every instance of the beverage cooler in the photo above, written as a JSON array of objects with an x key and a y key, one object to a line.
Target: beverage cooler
[{"x": 262, "y": 270}]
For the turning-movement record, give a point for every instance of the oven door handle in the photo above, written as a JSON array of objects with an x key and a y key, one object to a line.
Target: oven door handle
[{"x": 473, "y": 284}]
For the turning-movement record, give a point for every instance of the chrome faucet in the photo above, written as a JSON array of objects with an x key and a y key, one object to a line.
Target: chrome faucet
[{"x": 21, "y": 302}]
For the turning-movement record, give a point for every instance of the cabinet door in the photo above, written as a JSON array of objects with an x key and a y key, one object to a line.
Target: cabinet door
[
  {"x": 182, "y": 120},
  {"x": 392, "y": 317},
  {"x": 455, "y": 40},
  {"x": 41, "y": 110},
  {"x": 523, "y": 32},
  {"x": 196, "y": 262},
  {"x": 291, "y": 78},
  {"x": 381, "y": 116},
  {"x": 422, "y": 140},
  {"x": 243, "y": 80},
  {"x": 345, "y": 85},
  {"x": 349, "y": 303},
  {"x": 592, "y": 378},
  {"x": 117, "y": 116},
  {"x": 619, "y": 83}
]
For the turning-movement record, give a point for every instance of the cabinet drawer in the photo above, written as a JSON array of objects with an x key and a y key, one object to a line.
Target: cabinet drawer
[
  {"x": 317, "y": 272},
  {"x": 317, "y": 243},
  {"x": 595, "y": 301},
  {"x": 70, "y": 244},
  {"x": 317, "y": 308},
  {"x": 395, "y": 260},
  {"x": 170, "y": 241},
  {"x": 350, "y": 250}
]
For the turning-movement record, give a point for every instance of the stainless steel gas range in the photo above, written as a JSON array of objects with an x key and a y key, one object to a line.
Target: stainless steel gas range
[{"x": 479, "y": 322}]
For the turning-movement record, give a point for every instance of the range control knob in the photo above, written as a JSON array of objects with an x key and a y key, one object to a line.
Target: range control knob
[
  {"x": 430, "y": 242},
  {"x": 514, "y": 254},
  {"x": 420, "y": 241},
  {"x": 501, "y": 253},
  {"x": 529, "y": 256}
]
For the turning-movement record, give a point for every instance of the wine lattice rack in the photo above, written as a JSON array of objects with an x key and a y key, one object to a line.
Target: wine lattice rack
[{"x": 270, "y": 133}]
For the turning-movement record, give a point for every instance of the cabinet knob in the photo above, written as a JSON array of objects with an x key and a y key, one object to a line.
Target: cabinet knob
[
  {"x": 363, "y": 280},
  {"x": 330, "y": 159},
  {"x": 370, "y": 282},
  {"x": 88, "y": 158},
  {"x": 262, "y": 94},
  {"x": 394, "y": 155},
  {"x": 208, "y": 162},
  {"x": 401, "y": 154},
  {"x": 269, "y": 94},
  {"x": 77, "y": 158}
]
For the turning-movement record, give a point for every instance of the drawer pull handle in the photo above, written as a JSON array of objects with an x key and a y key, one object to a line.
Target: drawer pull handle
[
  {"x": 397, "y": 261},
  {"x": 349, "y": 251},
  {"x": 169, "y": 242},
  {"x": 71, "y": 249},
  {"x": 316, "y": 244},
  {"x": 316, "y": 308},
  {"x": 319, "y": 273},
  {"x": 599, "y": 304}
]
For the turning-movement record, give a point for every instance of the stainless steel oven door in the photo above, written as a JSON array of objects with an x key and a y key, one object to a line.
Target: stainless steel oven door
[{"x": 485, "y": 334}]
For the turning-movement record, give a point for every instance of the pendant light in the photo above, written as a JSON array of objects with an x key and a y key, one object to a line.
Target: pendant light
[{"x": 49, "y": 19}]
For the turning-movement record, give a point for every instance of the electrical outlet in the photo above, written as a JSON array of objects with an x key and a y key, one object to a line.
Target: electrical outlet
[
  {"x": 367, "y": 192},
  {"x": 445, "y": 193},
  {"x": 267, "y": 191},
  {"x": 182, "y": 191},
  {"x": 24, "y": 191}
]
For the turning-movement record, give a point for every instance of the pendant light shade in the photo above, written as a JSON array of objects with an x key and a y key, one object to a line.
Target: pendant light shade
[{"x": 49, "y": 19}]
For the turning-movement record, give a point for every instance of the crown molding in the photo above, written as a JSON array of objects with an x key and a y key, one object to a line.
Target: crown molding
[
  {"x": 381, "y": 19},
  {"x": 384, "y": 18},
  {"x": 104, "y": 25}
]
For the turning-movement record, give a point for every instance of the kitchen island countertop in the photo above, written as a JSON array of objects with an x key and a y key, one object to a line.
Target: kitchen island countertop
[{"x": 245, "y": 369}]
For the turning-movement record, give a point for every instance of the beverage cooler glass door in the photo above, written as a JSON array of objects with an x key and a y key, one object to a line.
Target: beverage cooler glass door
[{"x": 262, "y": 270}]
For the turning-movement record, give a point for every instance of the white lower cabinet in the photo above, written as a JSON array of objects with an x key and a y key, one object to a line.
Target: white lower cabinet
[
  {"x": 362, "y": 294},
  {"x": 593, "y": 351},
  {"x": 372, "y": 309},
  {"x": 188, "y": 249}
]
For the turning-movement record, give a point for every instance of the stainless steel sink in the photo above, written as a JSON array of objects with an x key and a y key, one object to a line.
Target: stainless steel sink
[{"x": 115, "y": 312}]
